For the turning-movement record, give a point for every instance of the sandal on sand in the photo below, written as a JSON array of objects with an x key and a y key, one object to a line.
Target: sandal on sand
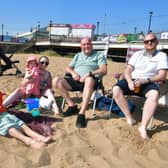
[
  {"x": 81, "y": 121},
  {"x": 73, "y": 110}
]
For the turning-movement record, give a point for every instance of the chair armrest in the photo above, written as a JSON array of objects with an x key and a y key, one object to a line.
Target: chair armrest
[{"x": 67, "y": 75}]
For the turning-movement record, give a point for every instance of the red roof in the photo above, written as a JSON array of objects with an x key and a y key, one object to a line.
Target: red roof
[{"x": 83, "y": 26}]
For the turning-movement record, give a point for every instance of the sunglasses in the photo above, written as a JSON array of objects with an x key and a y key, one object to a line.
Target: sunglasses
[
  {"x": 44, "y": 63},
  {"x": 151, "y": 41}
]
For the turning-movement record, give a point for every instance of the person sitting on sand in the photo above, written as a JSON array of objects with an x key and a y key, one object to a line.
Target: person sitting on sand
[
  {"x": 144, "y": 69},
  {"x": 45, "y": 85},
  {"x": 11, "y": 125}
]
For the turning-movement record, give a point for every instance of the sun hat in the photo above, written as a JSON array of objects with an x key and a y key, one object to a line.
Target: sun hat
[{"x": 31, "y": 58}]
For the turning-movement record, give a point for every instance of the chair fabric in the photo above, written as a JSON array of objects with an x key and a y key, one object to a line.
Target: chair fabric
[{"x": 130, "y": 51}]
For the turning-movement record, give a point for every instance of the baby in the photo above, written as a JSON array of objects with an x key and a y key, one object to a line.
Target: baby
[{"x": 31, "y": 79}]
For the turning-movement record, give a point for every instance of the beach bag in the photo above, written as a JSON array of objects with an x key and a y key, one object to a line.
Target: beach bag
[
  {"x": 104, "y": 103},
  {"x": 45, "y": 103}
]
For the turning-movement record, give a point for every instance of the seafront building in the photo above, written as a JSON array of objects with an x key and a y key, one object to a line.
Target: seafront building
[
  {"x": 74, "y": 32},
  {"x": 65, "y": 38}
]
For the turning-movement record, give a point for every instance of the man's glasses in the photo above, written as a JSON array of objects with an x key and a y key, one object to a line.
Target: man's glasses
[
  {"x": 44, "y": 63},
  {"x": 151, "y": 41}
]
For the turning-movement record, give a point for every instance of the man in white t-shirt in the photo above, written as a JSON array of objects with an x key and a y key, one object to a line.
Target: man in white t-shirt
[{"x": 145, "y": 68}]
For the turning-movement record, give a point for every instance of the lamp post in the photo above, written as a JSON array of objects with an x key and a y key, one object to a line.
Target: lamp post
[
  {"x": 135, "y": 30},
  {"x": 104, "y": 25},
  {"x": 150, "y": 18},
  {"x": 38, "y": 30},
  {"x": 2, "y": 32},
  {"x": 98, "y": 23},
  {"x": 50, "y": 25}
]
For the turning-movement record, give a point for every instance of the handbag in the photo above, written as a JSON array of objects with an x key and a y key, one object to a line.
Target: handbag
[
  {"x": 45, "y": 103},
  {"x": 104, "y": 103}
]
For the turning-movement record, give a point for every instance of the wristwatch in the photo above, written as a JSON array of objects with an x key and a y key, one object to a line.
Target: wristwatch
[
  {"x": 90, "y": 74},
  {"x": 149, "y": 80}
]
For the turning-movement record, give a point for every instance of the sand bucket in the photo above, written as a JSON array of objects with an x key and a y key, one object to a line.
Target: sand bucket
[{"x": 32, "y": 106}]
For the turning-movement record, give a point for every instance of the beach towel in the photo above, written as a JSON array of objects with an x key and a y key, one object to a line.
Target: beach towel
[{"x": 41, "y": 124}]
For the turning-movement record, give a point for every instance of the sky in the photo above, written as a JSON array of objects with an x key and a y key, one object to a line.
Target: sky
[{"x": 114, "y": 16}]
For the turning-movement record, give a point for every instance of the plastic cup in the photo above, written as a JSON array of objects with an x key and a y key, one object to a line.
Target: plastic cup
[{"x": 136, "y": 89}]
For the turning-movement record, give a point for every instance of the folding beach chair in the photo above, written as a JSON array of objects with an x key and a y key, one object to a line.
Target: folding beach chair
[
  {"x": 99, "y": 91},
  {"x": 6, "y": 63},
  {"x": 100, "y": 87},
  {"x": 163, "y": 86}
]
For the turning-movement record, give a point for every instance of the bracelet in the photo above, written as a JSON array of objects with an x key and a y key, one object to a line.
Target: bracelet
[{"x": 149, "y": 80}]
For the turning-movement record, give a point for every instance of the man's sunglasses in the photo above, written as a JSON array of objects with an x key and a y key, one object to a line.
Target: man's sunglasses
[
  {"x": 44, "y": 63},
  {"x": 151, "y": 41}
]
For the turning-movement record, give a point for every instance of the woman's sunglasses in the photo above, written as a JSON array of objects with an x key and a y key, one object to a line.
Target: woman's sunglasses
[
  {"x": 151, "y": 41},
  {"x": 44, "y": 63}
]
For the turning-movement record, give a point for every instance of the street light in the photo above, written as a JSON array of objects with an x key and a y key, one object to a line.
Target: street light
[
  {"x": 38, "y": 30},
  {"x": 104, "y": 25},
  {"x": 150, "y": 17},
  {"x": 135, "y": 30},
  {"x": 98, "y": 23},
  {"x": 50, "y": 25},
  {"x": 2, "y": 32}
]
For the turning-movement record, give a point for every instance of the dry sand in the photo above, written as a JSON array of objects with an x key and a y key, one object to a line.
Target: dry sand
[{"x": 103, "y": 144}]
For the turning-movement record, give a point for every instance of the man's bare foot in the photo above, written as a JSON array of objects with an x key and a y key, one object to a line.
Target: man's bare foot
[
  {"x": 131, "y": 121},
  {"x": 143, "y": 132}
]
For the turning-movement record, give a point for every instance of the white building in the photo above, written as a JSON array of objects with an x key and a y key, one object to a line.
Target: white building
[
  {"x": 82, "y": 30},
  {"x": 60, "y": 29}
]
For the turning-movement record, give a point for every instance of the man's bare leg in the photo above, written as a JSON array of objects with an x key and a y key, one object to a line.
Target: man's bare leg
[
  {"x": 122, "y": 103},
  {"x": 148, "y": 111}
]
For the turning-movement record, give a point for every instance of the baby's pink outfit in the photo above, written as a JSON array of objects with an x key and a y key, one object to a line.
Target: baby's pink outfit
[{"x": 32, "y": 88}]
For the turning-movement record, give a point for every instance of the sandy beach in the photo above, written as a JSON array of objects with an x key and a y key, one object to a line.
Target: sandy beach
[{"x": 103, "y": 144}]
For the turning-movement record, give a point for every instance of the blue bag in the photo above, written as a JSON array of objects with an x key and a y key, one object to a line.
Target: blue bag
[{"x": 103, "y": 103}]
